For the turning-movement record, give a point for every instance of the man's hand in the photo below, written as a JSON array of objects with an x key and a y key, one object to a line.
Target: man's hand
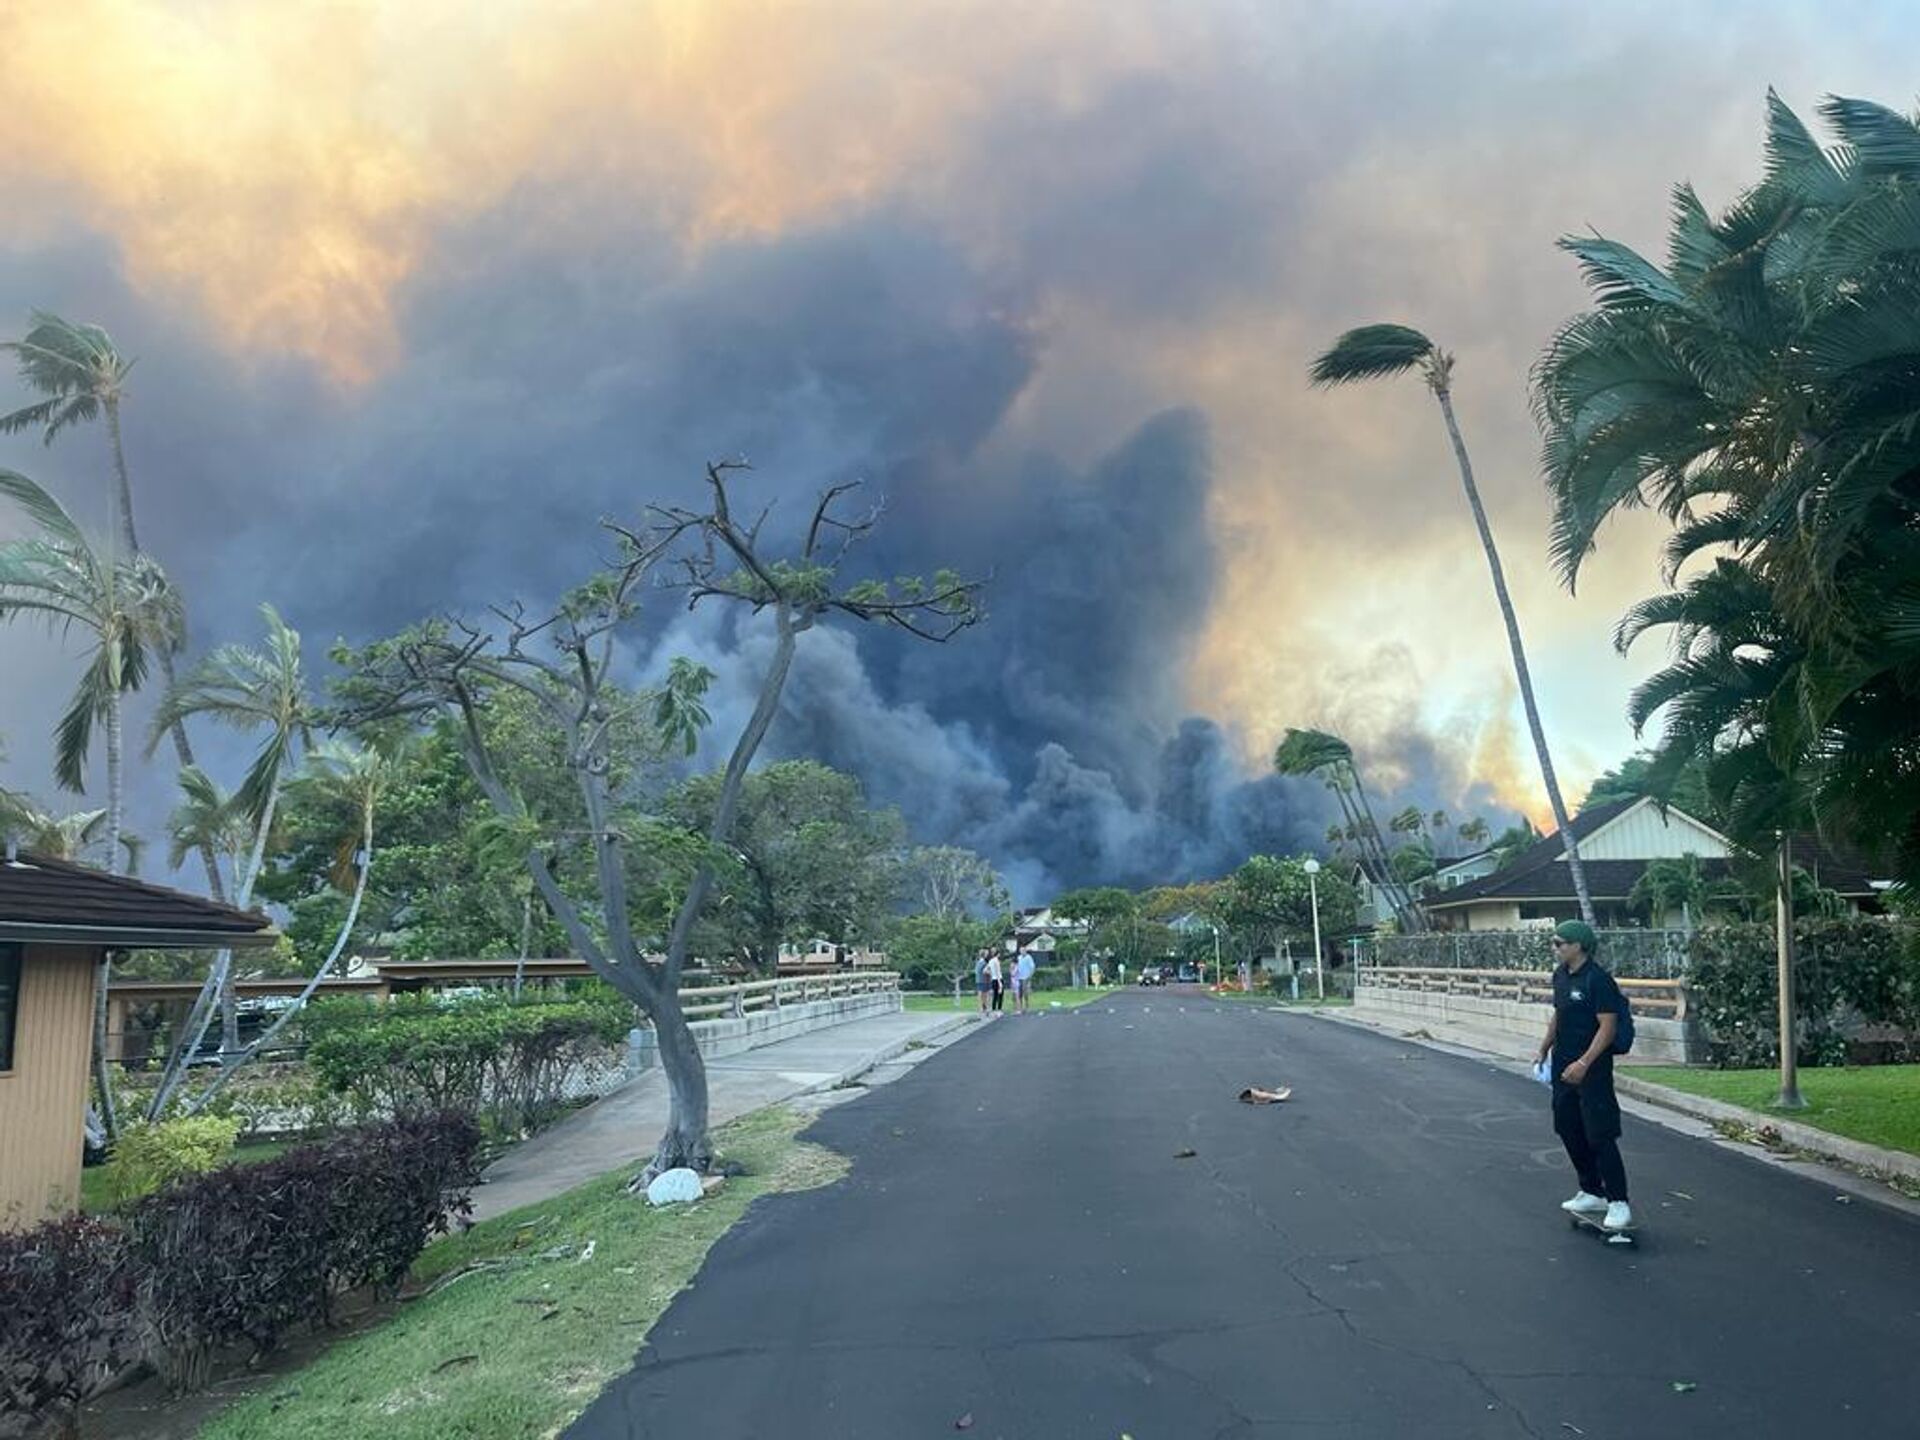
[{"x": 1574, "y": 1073}]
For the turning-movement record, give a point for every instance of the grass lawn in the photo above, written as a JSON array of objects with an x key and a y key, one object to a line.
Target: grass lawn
[
  {"x": 943, "y": 1004},
  {"x": 526, "y": 1328},
  {"x": 93, "y": 1179},
  {"x": 1879, "y": 1104}
]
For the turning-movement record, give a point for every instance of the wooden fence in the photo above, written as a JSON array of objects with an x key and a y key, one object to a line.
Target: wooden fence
[{"x": 1659, "y": 999}]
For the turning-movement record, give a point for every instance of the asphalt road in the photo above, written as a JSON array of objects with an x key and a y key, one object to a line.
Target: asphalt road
[{"x": 1018, "y": 1252}]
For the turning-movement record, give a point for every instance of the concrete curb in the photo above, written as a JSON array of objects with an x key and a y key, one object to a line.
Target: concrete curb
[
  {"x": 1821, "y": 1144},
  {"x": 1811, "y": 1142}
]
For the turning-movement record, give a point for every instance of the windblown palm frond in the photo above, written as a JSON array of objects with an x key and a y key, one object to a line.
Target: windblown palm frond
[{"x": 1370, "y": 352}]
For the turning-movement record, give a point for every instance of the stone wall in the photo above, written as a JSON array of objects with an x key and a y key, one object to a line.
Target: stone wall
[{"x": 1511, "y": 1027}]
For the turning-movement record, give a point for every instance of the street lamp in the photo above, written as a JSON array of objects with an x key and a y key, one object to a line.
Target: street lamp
[
  {"x": 1217, "y": 972},
  {"x": 1312, "y": 867}
]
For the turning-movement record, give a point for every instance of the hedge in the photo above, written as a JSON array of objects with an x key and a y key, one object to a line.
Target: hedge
[
  {"x": 505, "y": 1061},
  {"x": 66, "y": 1317},
  {"x": 244, "y": 1253},
  {"x": 1848, "y": 973}
]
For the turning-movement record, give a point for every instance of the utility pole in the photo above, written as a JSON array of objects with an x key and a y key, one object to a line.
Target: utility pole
[{"x": 1783, "y": 921}]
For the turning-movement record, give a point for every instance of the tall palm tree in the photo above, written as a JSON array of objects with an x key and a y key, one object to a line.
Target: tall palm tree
[
  {"x": 124, "y": 605},
  {"x": 1375, "y": 351},
  {"x": 126, "y": 608},
  {"x": 1316, "y": 752},
  {"x": 83, "y": 377},
  {"x": 249, "y": 690}
]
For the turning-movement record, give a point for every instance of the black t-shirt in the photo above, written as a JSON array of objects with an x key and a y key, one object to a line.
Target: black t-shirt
[{"x": 1579, "y": 1001}]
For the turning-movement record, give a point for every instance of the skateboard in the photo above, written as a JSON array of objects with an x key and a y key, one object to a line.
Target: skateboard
[{"x": 1581, "y": 1219}]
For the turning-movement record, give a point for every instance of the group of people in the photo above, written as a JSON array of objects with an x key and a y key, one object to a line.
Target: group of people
[{"x": 992, "y": 978}]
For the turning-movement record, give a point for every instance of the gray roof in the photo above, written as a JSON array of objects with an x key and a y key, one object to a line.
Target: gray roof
[{"x": 56, "y": 902}]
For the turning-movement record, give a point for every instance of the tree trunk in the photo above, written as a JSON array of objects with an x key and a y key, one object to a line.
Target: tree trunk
[
  {"x": 123, "y": 496},
  {"x": 686, "y": 1143},
  {"x": 227, "y": 1072},
  {"x": 116, "y": 861},
  {"x": 116, "y": 856},
  {"x": 526, "y": 931},
  {"x": 229, "y": 995},
  {"x": 1520, "y": 670}
]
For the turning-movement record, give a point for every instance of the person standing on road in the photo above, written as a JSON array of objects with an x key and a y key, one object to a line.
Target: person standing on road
[
  {"x": 996, "y": 977},
  {"x": 1579, "y": 1047},
  {"x": 1022, "y": 982},
  {"x": 980, "y": 979}
]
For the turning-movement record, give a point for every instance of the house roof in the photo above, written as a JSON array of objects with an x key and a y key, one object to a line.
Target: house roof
[
  {"x": 57, "y": 902},
  {"x": 1539, "y": 872}
]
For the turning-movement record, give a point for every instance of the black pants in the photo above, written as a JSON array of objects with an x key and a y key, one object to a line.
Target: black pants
[
  {"x": 999, "y": 993},
  {"x": 1587, "y": 1119}
]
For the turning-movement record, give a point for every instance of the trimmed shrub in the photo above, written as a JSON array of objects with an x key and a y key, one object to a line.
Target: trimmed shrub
[
  {"x": 248, "y": 1252},
  {"x": 502, "y": 1060},
  {"x": 65, "y": 1318},
  {"x": 1051, "y": 977},
  {"x": 1848, "y": 973},
  {"x": 147, "y": 1157}
]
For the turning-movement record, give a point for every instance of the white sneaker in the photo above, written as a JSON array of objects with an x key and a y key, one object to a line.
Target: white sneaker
[
  {"x": 1619, "y": 1216},
  {"x": 1584, "y": 1204}
]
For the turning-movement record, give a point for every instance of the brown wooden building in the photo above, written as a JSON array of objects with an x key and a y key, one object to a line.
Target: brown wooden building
[{"x": 57, "y": 922}]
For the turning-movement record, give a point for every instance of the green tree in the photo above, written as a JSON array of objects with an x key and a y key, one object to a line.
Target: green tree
[
  {"x": 952, "y": 882},
  {"x": 1683, "y": 884},
  {"x": 1270, "y": 899},
  {"x": 249, "y": 690},
  {"x": 808, "y": 858},
  {"x": 1375, "y": 351},
  {"x": 563, "y": 661},
  {"x": 934, "y": 951},
  {"x": 1759, "y": 389}
]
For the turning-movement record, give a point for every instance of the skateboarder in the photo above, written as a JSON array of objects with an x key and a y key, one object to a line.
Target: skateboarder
[{"x": 1586, "y": 1116}]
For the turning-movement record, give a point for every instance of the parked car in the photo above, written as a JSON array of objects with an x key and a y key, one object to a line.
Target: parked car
[{"x": 1152, "y": 975}]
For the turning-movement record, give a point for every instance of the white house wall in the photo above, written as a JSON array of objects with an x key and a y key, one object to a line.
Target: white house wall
[{"x": 1643, "y": 833}]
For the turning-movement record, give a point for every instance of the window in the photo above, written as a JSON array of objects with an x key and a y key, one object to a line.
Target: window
[{"x": 9, "y": 1001}]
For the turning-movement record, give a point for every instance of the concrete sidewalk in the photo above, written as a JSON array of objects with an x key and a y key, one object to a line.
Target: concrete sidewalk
[{"x": 622, "y": 1128}]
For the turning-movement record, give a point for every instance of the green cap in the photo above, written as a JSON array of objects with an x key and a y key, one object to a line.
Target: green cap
[{"x": 1580, "y": 933}]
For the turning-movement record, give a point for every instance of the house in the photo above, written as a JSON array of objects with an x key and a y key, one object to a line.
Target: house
[
  {"x": 1617, "y": 842},
  {"x": 57, "y": 922}
]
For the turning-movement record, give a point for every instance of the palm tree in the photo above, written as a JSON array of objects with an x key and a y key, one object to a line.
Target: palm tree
[
  {"x": 125, "y": 605},
  {"x": 82, "y": 377},
  {"x": 1760, "y": 389},
  {"x": 1316, "y": 752},
  {"x": 1472, "y": 832},
  {"x": 248, "y": 690},
  {"x": 1374, "y": 351},
  {"x": 208, "y": 817},
  {"x": 76, "y": 837},
  {"x": 339, "y": 775},
  {"x": 128, "y": 610}
]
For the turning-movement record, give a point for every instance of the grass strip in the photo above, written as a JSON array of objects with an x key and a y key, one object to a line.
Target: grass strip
[
  {"x": 528, "y": 1315},
  {"x": 1878, "y": 1104}
]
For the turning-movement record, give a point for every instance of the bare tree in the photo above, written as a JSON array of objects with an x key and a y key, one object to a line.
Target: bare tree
[{"x": 564, "y": 663}]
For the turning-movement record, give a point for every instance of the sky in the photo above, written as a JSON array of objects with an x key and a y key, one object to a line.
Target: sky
[{"x": 421, "y": 292}]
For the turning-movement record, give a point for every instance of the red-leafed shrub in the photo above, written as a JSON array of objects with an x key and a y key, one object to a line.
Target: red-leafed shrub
[
  {"x": 66, "y": 1317},
  {"x": 248, "y": 1252}
]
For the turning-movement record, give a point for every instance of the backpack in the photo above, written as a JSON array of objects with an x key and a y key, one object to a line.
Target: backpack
[{"x": 1623, "y": 1026}]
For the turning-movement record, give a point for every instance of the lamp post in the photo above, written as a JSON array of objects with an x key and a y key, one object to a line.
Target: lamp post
[
  {"x": 1312, "y": 867},
  {"x": 1783, "y": 920},
  {"x": 1218, "y": 974}
]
